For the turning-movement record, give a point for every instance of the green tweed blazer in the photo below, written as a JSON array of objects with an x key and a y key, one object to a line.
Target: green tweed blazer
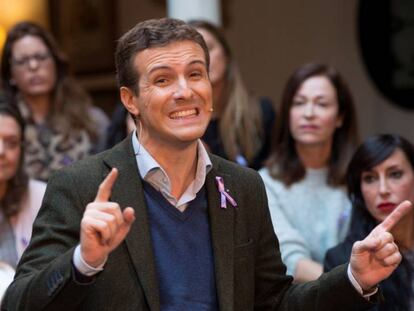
[{"x": 250, "y": 274}]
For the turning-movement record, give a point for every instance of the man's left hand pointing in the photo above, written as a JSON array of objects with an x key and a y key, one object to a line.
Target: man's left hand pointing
[{"x": 377, "y": 256}]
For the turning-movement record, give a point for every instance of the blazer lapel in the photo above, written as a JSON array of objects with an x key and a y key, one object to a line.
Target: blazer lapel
[
  {"x": 221, "y": 222},
  {"x": 128, "y": 191}
]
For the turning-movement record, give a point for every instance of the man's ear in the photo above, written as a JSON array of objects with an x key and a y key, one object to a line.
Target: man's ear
[{"x": 130, "y": 100}]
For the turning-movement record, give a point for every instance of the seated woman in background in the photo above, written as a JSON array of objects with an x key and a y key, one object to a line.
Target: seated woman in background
[
  {"x": 20, "y": 197},
  {"x": 120, "y": 126},
  {"x": 6, "y": 277},
  {"x": 240, "y": 128},
  {"x": 62, "y": 126},
  {"x": 380, "y": 176},
  {"x": 315, "y": 136}
]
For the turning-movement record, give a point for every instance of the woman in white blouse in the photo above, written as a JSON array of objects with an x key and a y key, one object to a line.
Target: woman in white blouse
[
  {"x": 314, "y": 138},
  {"x": 20, "y": 197}
]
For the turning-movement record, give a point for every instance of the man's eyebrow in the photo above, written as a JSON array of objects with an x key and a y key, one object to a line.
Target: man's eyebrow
[
  {"x": 166, "y": 67},
  {"x": 159, "y": 67},
  {"x": 197, "y": 61}
]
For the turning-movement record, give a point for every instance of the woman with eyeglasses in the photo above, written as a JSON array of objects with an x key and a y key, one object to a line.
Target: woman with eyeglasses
[
  {"x": 379, "y": 177},
  {"x": 62, "y": 126},
  {"x": 20, "y": 197}
]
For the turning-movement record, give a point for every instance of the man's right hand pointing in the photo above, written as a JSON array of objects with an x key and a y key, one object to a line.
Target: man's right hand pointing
[{"x": 104, "y": 226}]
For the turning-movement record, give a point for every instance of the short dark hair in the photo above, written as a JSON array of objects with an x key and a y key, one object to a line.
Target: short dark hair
[
  {"x": 149, "y": 34},
  {"x": 284, "y": 162},
  {"x": 372, "y": 152},
  {"x": 17, "y": 185}
]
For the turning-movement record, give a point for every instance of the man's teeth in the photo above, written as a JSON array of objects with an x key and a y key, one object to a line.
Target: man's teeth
[{"x": 183, "y": 113}]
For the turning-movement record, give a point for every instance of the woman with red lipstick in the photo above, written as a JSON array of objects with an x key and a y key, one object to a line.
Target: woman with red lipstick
[
  {"x": 380, "y": 176},
  {"x": 314, "y": 138},
  {"x": 61, "y": 124}
]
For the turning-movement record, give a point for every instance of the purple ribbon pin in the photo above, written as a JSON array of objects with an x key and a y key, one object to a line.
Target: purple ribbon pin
[
  {"x": 25, "y": 242},
  {"x": 224, "y": 196}
]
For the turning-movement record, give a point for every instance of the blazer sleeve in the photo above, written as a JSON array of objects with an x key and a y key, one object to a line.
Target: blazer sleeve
[
  {"x": 43, "y": 278},
  {"x": 275, "y": 291}
]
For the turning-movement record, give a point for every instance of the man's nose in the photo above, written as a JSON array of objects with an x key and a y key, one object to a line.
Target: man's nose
[
  {"x": 183, "y": 90},
  {"x": 2, "y": 147}
]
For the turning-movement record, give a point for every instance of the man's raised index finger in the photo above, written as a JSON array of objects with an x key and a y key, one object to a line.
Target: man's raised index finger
[
  {"x": 396, "y": 215},
  {"x": 105, "y": 188}
]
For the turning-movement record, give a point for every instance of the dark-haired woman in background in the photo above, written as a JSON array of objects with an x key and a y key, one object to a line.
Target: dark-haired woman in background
[
  {"x": 62, "y": 126},
  {"x": 379, "y": 177},
  {"x": 315, "y": 136},
  {"x": 120, "y": 126},
  {"x": 240, "y": 129},
  {"x": 20, "y": 197}
]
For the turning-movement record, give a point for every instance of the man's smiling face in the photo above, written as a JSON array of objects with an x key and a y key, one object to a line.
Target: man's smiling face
[{"x": 175, "y": 96}]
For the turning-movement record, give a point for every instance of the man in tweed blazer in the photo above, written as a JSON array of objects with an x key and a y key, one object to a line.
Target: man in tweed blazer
[{"x": 93, "y": 246}]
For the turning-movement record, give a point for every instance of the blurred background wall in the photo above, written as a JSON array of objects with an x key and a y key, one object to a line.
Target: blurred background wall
[{"x": 269, "y": 39}]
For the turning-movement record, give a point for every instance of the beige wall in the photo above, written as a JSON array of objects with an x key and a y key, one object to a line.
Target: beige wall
[
  {"x": 131, "y": 12},
  {"x": 271, "y": 39},
  {"x": 14, "y": 11}
]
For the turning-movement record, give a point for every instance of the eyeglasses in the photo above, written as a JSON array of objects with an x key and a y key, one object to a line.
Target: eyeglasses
[{"x": 25, "y": 61}]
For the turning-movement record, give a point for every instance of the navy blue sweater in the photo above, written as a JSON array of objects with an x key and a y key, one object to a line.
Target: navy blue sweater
[{"x": 183, "y": 253}]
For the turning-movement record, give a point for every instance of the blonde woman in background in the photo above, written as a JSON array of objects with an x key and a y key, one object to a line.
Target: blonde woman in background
[{"x": 240, "y": 128}]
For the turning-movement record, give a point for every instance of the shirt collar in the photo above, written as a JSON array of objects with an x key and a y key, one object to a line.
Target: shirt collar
[
  {"x": 147, "y": 165},
  {"x": 145, "y": 161},
  {"x": 204, "y": 166}
]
